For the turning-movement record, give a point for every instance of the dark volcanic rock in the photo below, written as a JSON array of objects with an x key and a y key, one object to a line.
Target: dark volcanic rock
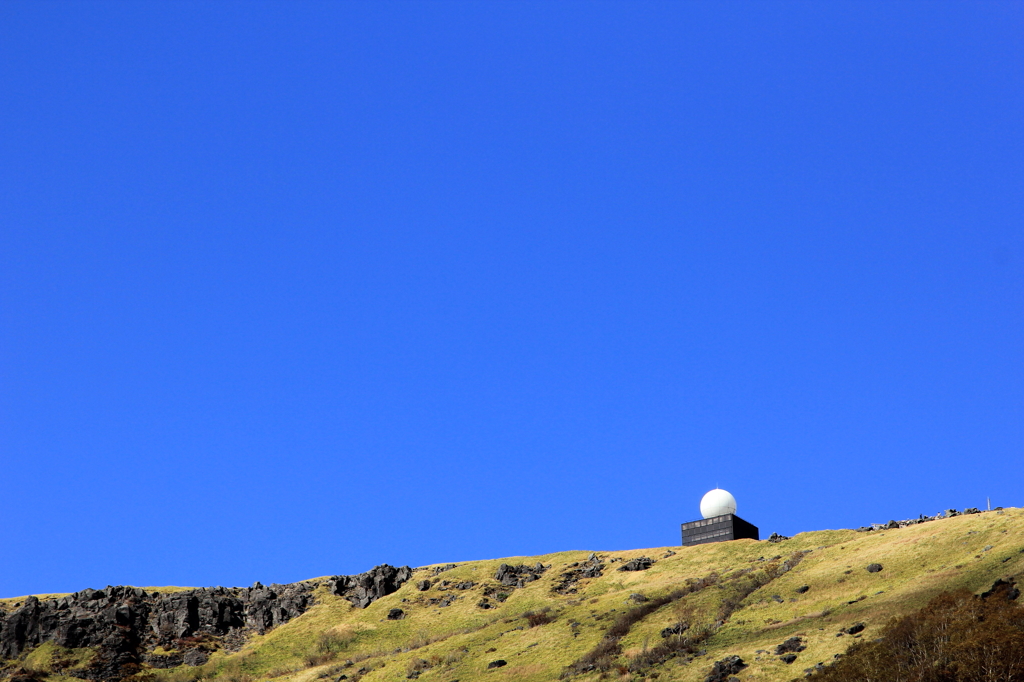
[
  {"x": 496, "y": 664},
  {"x": 195, "y": 657},
  {"x": 874, "y": 568},
  {"x": 788, "y": 658},
  {"x": 396, "y": 614},
  {"x": 802, "y": 589},
  {"x": 163, "y": 661},
  {"x": 518, "y": 576},
  {"x": 677, "y": 629},
  {"x": 591, "y": 568},
  {"x": 1004, "y": 588},
  {"x": 722, "y": 670},
  {"x": 855, "y": 628},
  {"x": 444, "y": 601},
  {"x": 776, "y": 537},
  {"x": 125, "y": 623},
  {"x": 793, "y": 644},
  {"x": 423, "y": 585},
  {"x": 640, "y": 563},
  {"x": 366, "y": 588}
]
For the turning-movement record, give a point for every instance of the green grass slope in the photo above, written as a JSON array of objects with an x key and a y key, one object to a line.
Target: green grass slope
[{"x": 746, "y": 605}]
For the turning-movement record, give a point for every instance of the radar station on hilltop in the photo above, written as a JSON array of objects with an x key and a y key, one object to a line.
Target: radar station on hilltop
[{"x": 720, "y": 523}]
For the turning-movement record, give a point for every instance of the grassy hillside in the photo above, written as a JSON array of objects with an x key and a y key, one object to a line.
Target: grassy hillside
[{"x": 736, "y": 598}]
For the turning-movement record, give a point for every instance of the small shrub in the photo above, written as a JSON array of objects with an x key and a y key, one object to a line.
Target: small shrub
[
  {"x": 957, "y": 637},
  {"x": 335, "y": 640},
  {"x": 417, "y": 642},
  {"x": 281, "y": 672},
  {"x": 236, "y": 676},
  {"x": 315, "y": 659},
  {"x": 334, "y": 671},
  {"x": 542, "y": 617},
  {"x": 417, "y": 665},
  {"x": 453, "y": 657}
]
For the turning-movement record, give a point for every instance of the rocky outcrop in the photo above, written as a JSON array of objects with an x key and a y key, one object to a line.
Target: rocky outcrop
[
  {"x": 124, "y": 624},
  {"x": 1005, "y": 588},
  {"x": 949, "y": 513},
  {"x": 366, "y": 588},
  {"x": 854, "y": 629},
  {"x": 724, "y": 670},
  {"x": 791, "y": 645},
  {"x": 518, "y": 576},
  {"x": 674, "y": 630},
  {"x": 641, "y": 563},
  {"x": 509, "y": 577},
  {"x": 591, "y": 568}
]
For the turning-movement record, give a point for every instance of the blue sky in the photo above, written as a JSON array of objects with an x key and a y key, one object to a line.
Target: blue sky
[{"x": 293, "y": 289}]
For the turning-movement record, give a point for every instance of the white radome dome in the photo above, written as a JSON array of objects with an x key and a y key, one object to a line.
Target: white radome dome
[{"x": 716, "y": 503}]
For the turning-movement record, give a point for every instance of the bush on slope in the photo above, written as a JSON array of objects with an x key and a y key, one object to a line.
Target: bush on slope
[{"x": 957, "y": 637}]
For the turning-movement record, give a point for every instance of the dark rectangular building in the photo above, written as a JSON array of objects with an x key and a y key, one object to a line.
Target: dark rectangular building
[{"x": 718, "y": 529}]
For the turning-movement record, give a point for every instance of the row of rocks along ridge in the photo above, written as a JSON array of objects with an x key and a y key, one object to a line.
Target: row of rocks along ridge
[{"x": 125, "y": 624}]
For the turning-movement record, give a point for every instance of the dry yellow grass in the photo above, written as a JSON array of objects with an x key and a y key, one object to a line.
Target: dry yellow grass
[{"x": 458, "y": 641}]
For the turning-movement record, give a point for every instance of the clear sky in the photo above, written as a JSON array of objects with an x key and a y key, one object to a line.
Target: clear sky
[{"x": 293, "y": 289}]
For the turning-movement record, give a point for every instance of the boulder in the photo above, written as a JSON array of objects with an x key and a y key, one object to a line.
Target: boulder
[
  {"x": 793, "y": 644},
  {"x": 496, "y": 664},
  {"x": 638, "y": 564},
  {"x": 1007, "y": 589},
  {"x": 673, "y": 630},
  {"x": 874, "y": 568},
  {"x": 591, "y": 568},
  {"x": 366, "y": 588},
  {"x": 519, "y": 575},
  {"x": 195, "y": 657},
  {"x": 722, "y": 670}
]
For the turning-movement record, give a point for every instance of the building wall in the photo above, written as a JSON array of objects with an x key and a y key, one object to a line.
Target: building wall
[{"x": 718, "y": 529}]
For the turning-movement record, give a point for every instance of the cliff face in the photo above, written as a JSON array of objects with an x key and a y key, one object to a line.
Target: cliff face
[{"x": 125, "y": 624}]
